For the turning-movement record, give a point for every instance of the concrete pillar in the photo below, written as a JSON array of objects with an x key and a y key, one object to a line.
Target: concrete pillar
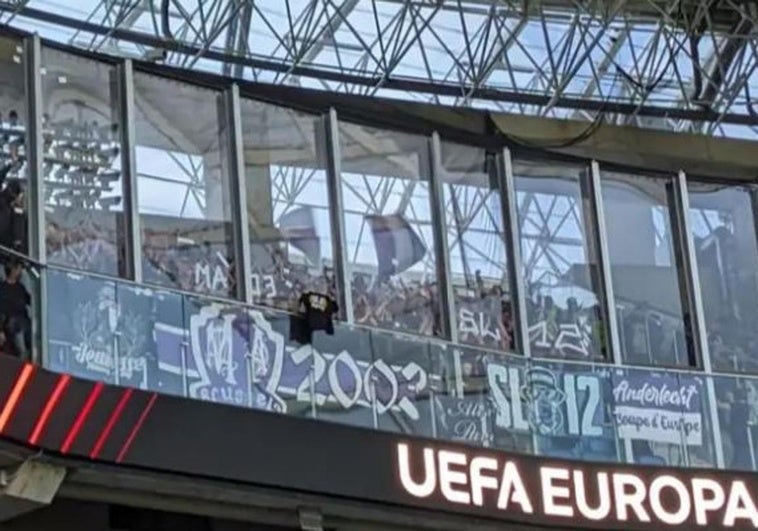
[
  {"x": 217, "y": 203},
  {"x": 31, "y": 486},
  {"x": 259, "y": 204}
]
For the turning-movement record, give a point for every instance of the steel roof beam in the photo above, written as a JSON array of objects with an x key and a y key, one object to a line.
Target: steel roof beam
[{"x": 454, "y": 51}]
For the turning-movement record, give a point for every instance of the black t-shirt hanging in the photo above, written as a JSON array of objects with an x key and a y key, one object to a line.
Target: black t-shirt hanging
[{"x": 316, "y": 312}]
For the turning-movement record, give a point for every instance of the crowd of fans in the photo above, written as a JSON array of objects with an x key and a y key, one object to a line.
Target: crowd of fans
[
  {"x": 572, "y": 332},
  {"x": 730, "y": 292},
  {"x": 733, "y": 345},
  {"x": 484, "y": 313},
  {"x": 15, "y": 302},
  {"x": 202, "y": 268},
  {"x": 408, "y": 306},
  {"x": 15, "y": 323}
]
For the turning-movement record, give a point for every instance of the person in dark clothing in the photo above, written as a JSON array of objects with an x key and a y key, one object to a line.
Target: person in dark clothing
[
  {"x": 739, "y": 417},
  {"x": 12, "y": 214},
  {"x": 18, "y": 218},
  {"x": 14, "y": 301}
]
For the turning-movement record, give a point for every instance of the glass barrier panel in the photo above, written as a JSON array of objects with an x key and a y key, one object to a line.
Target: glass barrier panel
[
  {"x": 82, "y": 324},
  {"x": 476, "y": 247},
  {"x": 342, "y": 369},
  {"x": 247, "y": 357},
  {"x": 97, "y": 325},
  {"x": 724, "y": 233},
  {"x": 287, "y": 203},
  {"x": 32, "y": 336},
  {"x": 660, "y": 416},
  {"x": 463, "y": 409},
  {"x": 737, "y": 404},
  {"x": 387, "y": 216},
  {"x": 698, "y": 430},
  {"x": 280, "y": 368},
  {"x": 218, "y": 337},
  {"x": 483, "y": 400},
  {"x": 183, "y": 182},
  {"x": 152, "y": 339},
  {"x": 570, "y": 410},
  {"x": 398, "y": 382}
]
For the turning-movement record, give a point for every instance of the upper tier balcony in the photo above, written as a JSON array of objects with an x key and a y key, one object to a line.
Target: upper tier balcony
[
  {"x": 502, "y": 296},
  {"x": 180, "y": 344}
]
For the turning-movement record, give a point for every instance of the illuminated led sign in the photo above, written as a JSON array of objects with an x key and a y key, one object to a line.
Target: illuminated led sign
[{"x": 529, "y": 489}]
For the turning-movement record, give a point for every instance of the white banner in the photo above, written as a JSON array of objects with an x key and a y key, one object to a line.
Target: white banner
[{"x": 659, "y": 425}]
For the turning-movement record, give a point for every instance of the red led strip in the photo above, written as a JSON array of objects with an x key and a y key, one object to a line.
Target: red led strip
[
  {"x": 81, "y": 417},
  {"x": 111, "y": 423},
  {"x": 15, "y": 395},
  {"x": 136, "y": 428},
  {"x": 52, "y": 402}
]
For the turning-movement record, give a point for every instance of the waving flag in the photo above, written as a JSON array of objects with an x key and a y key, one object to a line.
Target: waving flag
[
  {"x": 298, "y": 228},
  {"x": 398, "y": 247}
]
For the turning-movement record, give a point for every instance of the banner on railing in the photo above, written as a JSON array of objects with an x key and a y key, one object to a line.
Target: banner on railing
[
  {"x": 659, "y": 408},
  {"x": 90, "y": 334},
  {"x": 211, "y": 352},
  {"x": 241, "y": 356},
  {"x": 546, "y": 400}
]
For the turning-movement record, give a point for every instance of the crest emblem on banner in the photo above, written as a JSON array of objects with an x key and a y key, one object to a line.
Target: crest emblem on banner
[
  {"x": 218, "y": 356},
  {"x": 543, "y": 399},
  {"x": 218, "y": 351},
  {"x": 267, "y": 358}
]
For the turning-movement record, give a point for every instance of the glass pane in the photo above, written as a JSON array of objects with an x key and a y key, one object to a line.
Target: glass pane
[
  {"x": 82, "y": 320},
  {"x": 661, "y": 417},
  {"x": 183, "y": 186},
  {"x": 95, "y": 325},
  {"x": 283, "y": 372},
  {"x": 399, "y": 383},
  {"x": 342, "y": 366},
  {"x": 287, "y": 204},
  {"x": 644, "y": 271},
  {"x": 701, "y": 452},
  {"x": 390, "y": 249},
  {"x": 737, "y": 401},
  {"x": 153, "y": 333},
  {"x": 476, "y": 247},
  {"x": 13, "y": 163},
  {"x": 723, "y": 225},
  {"x": 82, "y": 164},
  {"x": 506, "y": 384},
  {"x": 560, "y": 272},
  {"x": 570, "y": 409},
  {"x": 463, "y": 406}
]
